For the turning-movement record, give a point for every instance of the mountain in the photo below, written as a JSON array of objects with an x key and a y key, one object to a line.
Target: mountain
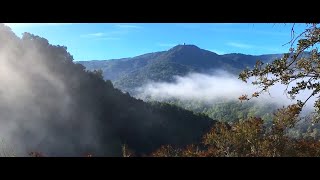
[
  {"x": 129, "y": 73},
  {"x": 52, "y": 105},
  {"x": 115, "y": 68}
]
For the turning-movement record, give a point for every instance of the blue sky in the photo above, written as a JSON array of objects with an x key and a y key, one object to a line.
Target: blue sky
[{"x": 100, "y": 41}]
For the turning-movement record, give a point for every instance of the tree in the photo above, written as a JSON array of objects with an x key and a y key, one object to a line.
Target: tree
[
  {"x": 99, "y": 73},
  {"x": 299, "y": 68}
]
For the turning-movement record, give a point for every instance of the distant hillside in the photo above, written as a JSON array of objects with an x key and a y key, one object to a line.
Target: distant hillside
[
  {"x": 115, "y": 68},
  {"x": 129, "y": 73}
]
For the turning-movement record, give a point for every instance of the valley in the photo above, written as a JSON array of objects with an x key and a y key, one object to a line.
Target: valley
[{"x": 180, "y": 101}]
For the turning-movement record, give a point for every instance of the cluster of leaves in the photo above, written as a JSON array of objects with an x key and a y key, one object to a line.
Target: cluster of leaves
[{"x": 299, "y": 68}]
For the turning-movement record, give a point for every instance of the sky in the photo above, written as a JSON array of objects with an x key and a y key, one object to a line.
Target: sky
[{"x": 102, "y": 41}]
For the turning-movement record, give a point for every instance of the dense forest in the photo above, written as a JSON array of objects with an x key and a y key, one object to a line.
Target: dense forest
[
  {"x": 52, "y": 105},
  {"x": 226, "y": 110}
]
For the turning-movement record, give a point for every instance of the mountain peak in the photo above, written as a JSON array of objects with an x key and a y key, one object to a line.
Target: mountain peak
[
  {"x": 189, "y": 50},
  {"x": 185, "y": 47}
]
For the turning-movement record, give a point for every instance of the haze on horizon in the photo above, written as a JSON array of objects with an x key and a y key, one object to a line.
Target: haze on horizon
[{"x": 102, "y": 41}]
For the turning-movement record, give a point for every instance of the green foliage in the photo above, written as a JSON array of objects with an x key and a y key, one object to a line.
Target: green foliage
[
  {"x": 251, "y": 138},
  {"x": 227, "y": 110},
  {"x": 167, "y": 151},
  {"x": 6, "y": 150},
  {"x": 297, "y": 68},
  {"x": 98, "y": 73}
]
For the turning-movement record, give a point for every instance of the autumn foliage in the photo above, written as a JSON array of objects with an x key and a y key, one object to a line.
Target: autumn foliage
[{"x": 250, "y": 138}]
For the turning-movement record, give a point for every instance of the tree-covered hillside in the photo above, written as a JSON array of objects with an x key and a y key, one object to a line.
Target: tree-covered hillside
[
  {"x": 229, "y": 111},
  {"x": 52, "y": 105}
]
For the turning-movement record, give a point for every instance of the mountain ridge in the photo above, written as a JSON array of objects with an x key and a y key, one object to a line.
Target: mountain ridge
[
  {"x": 130, "y": 73},
  {"x": 153, "y": 52}
]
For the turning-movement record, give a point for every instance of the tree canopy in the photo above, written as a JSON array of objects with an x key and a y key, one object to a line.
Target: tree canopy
[{"x": 299, "y": 69}]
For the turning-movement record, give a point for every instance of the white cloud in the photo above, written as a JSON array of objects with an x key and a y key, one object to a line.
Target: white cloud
[
  {"x": 211, "y": 87},
  {"x": 113, "y": 35},
  {"x": 108, "y": 35},
  {"x": 128, "y": 26},
  {"x": 117, "y": 31},
  {"x": 99, "y": 34},
  {"x": 240, "y": 45}
]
